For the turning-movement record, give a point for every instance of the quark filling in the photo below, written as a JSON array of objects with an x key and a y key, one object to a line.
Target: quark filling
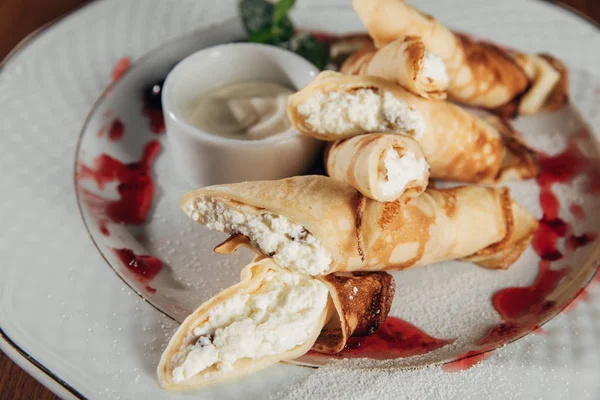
[
  {"x": 288, "y": 243},
  {"x": 360, "y": 111},
  {"x": 434, "y": 70},
  {"x": 284, "y": 312},
  {"x": 400, "y": 170}
]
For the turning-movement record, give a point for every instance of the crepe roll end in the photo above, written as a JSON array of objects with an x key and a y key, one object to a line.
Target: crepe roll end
[
  {"x": 335, "y": 107},
  {"x": 233, "y": 333},
  {"x": 289, "y": 243},
  {"x": 434, "y": 78},
  {"x": 382, "y": 166},
  {"x": 401, "y": 171}
]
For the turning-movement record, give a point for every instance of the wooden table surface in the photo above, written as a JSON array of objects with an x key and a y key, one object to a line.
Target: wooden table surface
[{"x": 18, "y": 18}]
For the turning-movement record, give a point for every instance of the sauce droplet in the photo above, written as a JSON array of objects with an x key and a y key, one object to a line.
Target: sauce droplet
[{"x": 143, "y": 268}]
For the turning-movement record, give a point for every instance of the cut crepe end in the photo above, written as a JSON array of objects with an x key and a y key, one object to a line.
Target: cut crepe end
[
  {"x": 554, "y": 90},
  {"x": 367, "y": 162},
  {"x": 520, "y": 228},
  {"x": 357, "y": 305},
  {"x": 362, "y": 301},
  {"x": 560, "y": 94},
  {"x": 405, "y": 62},
  {"x": 520, "y": 161},
  {"x": 252, "y": 276}
]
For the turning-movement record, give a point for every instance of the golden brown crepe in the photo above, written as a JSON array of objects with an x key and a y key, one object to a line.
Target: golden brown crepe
[
  {"x": 357, "y": 304},
  {"x": 457, "y": 144},
  {"x": 405, "y": 62},
  {"x": 364, "y": 162},
  {"x": 341, "y": 47},
  {"x": 348, "y": 232},
  {"x": 548, "y": 88},
  {"x": 481, "y": 73}
]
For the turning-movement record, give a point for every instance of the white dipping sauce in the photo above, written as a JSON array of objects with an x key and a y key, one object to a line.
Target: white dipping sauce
[{"x": 248, "y": 110}]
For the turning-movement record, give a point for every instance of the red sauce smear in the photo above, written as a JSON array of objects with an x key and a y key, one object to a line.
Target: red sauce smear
[
  {"x": 115, "y": 130},
  {"x": 143, "y": 268},
  {"x": 135, "y": 186},
  {"x": 156, "y": 119},
  {"x": 522, "y": 308},
  {"x": 467, "y": 361},
  {"x": 395, "y": 338},
  {"x": 577, "y": 211},
  {"x": 120, "y": 67}
]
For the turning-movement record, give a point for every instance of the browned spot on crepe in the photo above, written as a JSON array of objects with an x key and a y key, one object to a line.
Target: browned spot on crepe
[
  {"x": 394, "y": 225},
  {"x": 360, "y": 208},
  {"x": 414, "y": 55},
  {"x": 389, "y": 212},
  {"x": 492, "y": 66},
  {"x": 362, "y": 300},
  {"x": 449, "y": 203}
]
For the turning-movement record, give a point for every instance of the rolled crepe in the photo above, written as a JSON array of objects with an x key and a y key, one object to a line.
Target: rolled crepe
[
  {"x": 317, "y": 225},
  {"x": 457, "y": 144},
  {"x": 405, "y": 62},
  {"x": 341, "y": 47},
  {"x": 383, "y": 167},
  {"x": 548, "y": 88},
  {"x": 481, "y": 73},
  {"x": 272, "y": 315}
]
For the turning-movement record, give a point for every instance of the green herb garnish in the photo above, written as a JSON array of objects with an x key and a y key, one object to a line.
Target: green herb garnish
[{"x": 268, "y": 23}]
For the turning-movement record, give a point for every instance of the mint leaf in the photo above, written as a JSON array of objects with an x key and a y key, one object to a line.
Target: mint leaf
[
  {"x": 282, "y": 7},
  {"x": 257, "y": 15},
  {"x": 312, "y": 49}
]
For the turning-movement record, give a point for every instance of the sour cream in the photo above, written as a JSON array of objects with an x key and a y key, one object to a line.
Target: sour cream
[{"x": 248, "y": 110}]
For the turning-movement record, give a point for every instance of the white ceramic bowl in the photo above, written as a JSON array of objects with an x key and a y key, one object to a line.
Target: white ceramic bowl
[{"x": 205, "y": 159}]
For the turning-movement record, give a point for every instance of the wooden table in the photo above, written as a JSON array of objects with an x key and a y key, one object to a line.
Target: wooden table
[{"x": 17, "y": 19}]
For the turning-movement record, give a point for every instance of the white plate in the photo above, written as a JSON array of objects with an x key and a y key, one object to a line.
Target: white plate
[{"x": 60, "y": 302}]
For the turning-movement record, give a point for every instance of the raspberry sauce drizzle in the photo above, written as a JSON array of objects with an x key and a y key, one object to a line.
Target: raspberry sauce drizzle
[
  {"x": 115, "y": 130},
  {"x": 522, "y": 308},
  {"x": 135, "y": 186},
  {"x": 143, "y": 268},
  {"x": 395, "y": 338},
  {"x": 155, "y": 116},
  {"x": 120, "y": 68}
]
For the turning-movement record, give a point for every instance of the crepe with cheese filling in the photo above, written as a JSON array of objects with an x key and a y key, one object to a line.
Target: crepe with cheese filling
[
  {"x": 457, "y": 144},
  {"x": 405, "y": 62},
  {"x": 482, "y": 74},
  {"x": 272, "y": 315},
  {"x": 317, "y": 225},
  {"x": 382, "y": 166}
]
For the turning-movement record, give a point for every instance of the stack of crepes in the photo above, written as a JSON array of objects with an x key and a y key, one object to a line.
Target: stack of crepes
[
  {"x": 324, "y": 243},
  {"x": 479, "y": 73}
]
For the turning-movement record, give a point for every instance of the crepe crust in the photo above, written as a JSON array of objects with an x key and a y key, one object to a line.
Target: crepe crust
[
  {"x": 366, "y": 235},
  {"x": 358, "y": 303},
  {"x": 482, "y": 74},
  {"x": 457, "y": 144},
  {"x": 362, "y": 301},
  {"x": 401, "y": 62},
  {"x": 359, "y": 161}
]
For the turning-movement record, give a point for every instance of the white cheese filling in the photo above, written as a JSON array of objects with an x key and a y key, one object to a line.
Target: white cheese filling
[
  {"x": 434, "y": 70},
  {"x": 282, "y": 313},
  {"x": 400, "y": 171},
  {"x": 290, "y": 245},
  {"x": 360, "y": 111}
]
